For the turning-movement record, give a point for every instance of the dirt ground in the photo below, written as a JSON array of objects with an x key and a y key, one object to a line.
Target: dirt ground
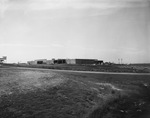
[{"x": 32, "y": 93}]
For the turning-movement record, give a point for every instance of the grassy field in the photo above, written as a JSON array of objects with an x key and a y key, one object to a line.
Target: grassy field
[
  {"x": 39, "y": 93},
  {"x": 99, "y": 68}
]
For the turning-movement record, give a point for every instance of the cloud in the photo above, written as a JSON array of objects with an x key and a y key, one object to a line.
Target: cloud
[
  {"x": 42, "y": 5},
  {"x": 10, "y": 5},
  {"x": 57, "y": 45},
  {"x": 23, "y": 45},
  {"x": 3, "y": 7},
  {"x": 82, "y": 4}
]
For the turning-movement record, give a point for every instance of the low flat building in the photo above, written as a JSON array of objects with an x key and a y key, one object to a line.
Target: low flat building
[
  {"x": 60, "y": 61},
  {"x": 41, "y": 61},
  {"x": 31, "y": 62},
  {"x": 71, "y": 61},
  {"x": 38, "y": 61},
  {"x": 83, "y": 61},
  {"x": 49, "y": 62},
  {"x": 66, "y": 61}
]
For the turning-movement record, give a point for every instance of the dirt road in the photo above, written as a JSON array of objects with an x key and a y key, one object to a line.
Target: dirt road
[{"x": 92, "y": 72}]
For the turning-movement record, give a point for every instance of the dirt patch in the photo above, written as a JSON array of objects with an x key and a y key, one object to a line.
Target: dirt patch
[{"x": 24, "y": 81}]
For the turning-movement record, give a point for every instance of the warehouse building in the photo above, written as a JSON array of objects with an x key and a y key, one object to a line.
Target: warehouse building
[
  {"x": 39, "y": 61},
  {"x": 83, "y": 61},
  {"x": 66, "y": 61},
  {"x": 71, "y": 61},
  {"x": 60, "y": 61},
  {"x": 31, "y": 62},
  {"x": 49, "y": 62}
]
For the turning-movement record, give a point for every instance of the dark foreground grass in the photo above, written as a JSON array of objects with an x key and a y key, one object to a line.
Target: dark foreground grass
[
  {"x": 79, "y": 96},
  {"x": 57, "y": 102},
  {"x": 134, "y": 102},
  {"x": 134, "y": 106}
]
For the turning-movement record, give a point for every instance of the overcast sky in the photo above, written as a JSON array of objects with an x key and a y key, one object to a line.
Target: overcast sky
[{"x": 100, "y": 29}]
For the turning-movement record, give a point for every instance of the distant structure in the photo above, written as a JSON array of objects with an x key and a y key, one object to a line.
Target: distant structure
[
  {"x": 3, "y": 59},
  {"x": 120, "y": 61},
  {"x": 38, "y": 61},
  {"x": 67, "y": 61},
  {"x": 84, "y": 61}
]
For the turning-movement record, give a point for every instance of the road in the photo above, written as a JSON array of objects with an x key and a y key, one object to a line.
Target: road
[{"x": 74, "y": 71}]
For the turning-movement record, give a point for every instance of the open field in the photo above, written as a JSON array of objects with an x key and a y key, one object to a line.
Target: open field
[
  {"x": 39, "y": 93},
  {"x": 98, "y": 68}
]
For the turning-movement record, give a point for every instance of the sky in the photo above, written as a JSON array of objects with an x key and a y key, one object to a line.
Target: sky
[{"x": 99, "y": 29}]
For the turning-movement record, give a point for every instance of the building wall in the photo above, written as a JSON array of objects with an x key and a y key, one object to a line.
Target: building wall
[
  {"x": 50, "y": 62},
  {"x": 41, "y": 61},
  {"x": 71, "y": 61},
  {"x": 4, "y": 57},
  {"x": 86, "y": 61},
  {"x": 66, "y": 61},
  {"x": 61, "y": 61},
  {"x": 32, "y": 62},
  {"x": 100, "y": 62},
  {"x": 83, "y": 61}
]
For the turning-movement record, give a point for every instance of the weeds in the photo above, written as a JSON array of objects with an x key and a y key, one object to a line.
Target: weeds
[{"x": 68, "y": 95}]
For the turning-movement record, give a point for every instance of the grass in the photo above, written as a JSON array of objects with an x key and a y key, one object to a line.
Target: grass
[
  {"x": 99, "y": 68},
  {"x": 43, "y": 93}
]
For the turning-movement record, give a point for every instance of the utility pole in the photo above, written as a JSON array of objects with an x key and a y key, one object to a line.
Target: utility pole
[
  {"x": 118, "y": 61},
  {"x": 121, "y": 60}
]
